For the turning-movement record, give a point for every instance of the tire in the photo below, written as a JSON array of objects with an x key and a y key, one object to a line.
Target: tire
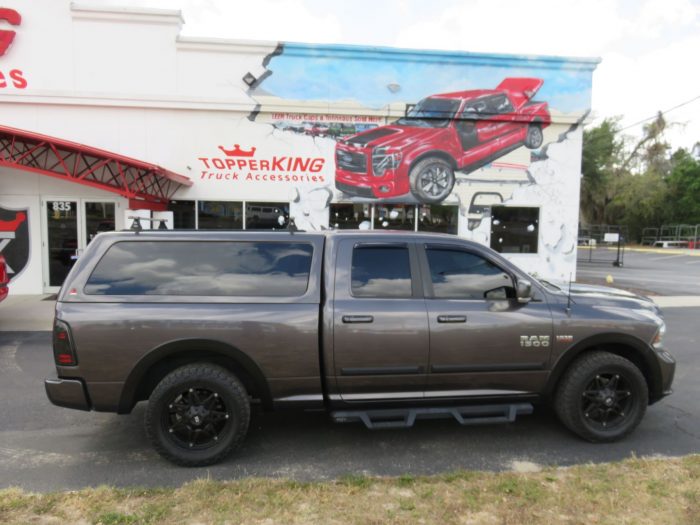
[
  {"x": 534, "y": 136},
  {"x": 431, "y": 180},
  {"x": 602, "y": 397},
  {"x": 197, "y": 415}
]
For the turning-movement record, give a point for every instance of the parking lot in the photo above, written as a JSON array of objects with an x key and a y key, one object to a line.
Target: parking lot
[
  {"x": 655, "y": 271},
  {"x": 43, "y": 447}
]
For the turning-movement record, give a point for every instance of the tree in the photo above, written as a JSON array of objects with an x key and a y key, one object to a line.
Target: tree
[
  {"x": 684, "y": 189},
  {"x": 625, "y": 182},
  {"x": 602, "y": 150}
]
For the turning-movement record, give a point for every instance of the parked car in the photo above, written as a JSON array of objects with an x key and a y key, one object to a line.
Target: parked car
[
  {"x": 4, "y": 278},
  {"x": 459, "y": 131},
  {"x": 378, "y": 327}
]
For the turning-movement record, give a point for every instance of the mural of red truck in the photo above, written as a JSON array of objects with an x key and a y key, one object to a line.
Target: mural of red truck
[{"x": 442, "y": 134}]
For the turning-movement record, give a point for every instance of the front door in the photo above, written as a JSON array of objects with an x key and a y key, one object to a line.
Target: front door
[
  {"x": 69, "y": 225},
  {"x": 381, "y": 335},
  {"x": 483, "y": 342}
]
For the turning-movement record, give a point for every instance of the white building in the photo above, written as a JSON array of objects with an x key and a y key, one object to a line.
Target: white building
[{"x": 108, "y": 113}]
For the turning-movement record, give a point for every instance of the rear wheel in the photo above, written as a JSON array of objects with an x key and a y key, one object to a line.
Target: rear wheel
[
  {"x": 197, "y": 415},
  {"x": 534, "y": 136},
  {"x": 431, "y": 180},
  {"x": 602, "y": 397}
]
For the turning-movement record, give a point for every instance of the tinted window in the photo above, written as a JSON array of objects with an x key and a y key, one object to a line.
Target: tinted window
[
  {"x": 202, "y": 268},
  {"x": 380, "y": 271},
  {"x": 462, "y": 275}
]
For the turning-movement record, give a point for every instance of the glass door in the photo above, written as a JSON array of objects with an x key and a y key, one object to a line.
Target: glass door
[{"x": 61, "y": 239}]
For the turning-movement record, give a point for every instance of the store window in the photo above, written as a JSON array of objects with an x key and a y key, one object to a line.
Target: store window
[
  {"x": 394, "y": 217},
  {"x": 514, "y": 230},
  {"x": 436, "y": 218},
  {"x": 99, "y": 217},
  {"x": 183, "y": 214},
  {"x": 266, "y": 215},
  {"x": 219, "y": 215},
  {"x": 350, "y": 216}
]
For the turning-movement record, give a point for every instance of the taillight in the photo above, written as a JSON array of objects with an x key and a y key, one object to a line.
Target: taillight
[{"x": 63, "y": 351}]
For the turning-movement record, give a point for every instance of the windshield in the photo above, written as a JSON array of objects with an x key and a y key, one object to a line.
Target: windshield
[{"x": 431, "y": 113}]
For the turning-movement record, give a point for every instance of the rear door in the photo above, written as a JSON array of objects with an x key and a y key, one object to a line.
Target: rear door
[
  {"x": 483, "y": 342},
  {"x": 381, "y": 338}
]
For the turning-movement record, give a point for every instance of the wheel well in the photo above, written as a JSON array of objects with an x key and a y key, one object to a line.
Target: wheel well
[
  {"x": 628, "y": 352},
  {"x": 143, "y": 381},
  {"x": 436, "y": 153}
]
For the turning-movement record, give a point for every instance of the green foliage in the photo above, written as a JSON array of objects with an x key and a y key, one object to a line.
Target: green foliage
[{"x": 637, "y": 184}]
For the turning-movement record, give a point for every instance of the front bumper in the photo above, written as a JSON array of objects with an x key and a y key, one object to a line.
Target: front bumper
[
  {"x": 68, "y": 393},
  {"x": 667, "y": 366}
]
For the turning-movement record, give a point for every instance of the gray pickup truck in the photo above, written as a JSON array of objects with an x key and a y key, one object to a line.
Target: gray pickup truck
[{"x": 377, "y": 327}]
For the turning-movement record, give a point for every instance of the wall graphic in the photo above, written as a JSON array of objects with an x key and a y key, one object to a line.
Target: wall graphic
[
  {"x": 372, "y": 126},
  {"x": 14, "y": 240}
]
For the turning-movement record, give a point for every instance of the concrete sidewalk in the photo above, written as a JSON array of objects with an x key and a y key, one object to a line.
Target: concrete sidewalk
[
  {"x": 26, "y": 313},
  {"x": 34, "y": 313}
]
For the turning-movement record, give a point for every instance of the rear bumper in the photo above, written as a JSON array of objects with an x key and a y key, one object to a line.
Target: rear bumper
[{"x": 68, "y": 393}]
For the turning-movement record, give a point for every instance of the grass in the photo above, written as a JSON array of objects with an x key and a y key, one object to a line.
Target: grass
[{"x": 635, "y": 491}]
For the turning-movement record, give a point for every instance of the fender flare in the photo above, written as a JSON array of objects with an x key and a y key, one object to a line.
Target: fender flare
[
  {"x": 190, "y": 348},
  {"x": 626, "y": 345}
]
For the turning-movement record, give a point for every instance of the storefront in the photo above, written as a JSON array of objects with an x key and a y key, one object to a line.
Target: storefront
[{"x": 109, "y": 114}]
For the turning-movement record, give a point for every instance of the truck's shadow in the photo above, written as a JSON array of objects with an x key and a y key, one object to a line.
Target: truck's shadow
[{"x": 309, "y": 446}]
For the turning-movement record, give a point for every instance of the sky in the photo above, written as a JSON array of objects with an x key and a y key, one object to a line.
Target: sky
[{"x": 649, "y": 48}]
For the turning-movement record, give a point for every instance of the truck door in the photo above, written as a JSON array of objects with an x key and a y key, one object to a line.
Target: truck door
[
  {"x": 381, "y": 339},
  {"x": 483, "y": 342}
]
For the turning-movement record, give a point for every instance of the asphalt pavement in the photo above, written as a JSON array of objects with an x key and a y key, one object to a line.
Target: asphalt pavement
[
  {"x": 653, "y": 271},
  {"x": 43, "y": 447}
]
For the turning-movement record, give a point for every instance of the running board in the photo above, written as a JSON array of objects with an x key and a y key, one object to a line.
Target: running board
[{"x": 406, "y": 417}]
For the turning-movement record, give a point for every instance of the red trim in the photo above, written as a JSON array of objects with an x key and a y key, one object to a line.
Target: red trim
[
  {"x": 135, "y": 204},
  {"x": 148, "y": 185}
]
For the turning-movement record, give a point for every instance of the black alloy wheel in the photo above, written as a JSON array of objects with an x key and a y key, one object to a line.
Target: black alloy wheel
[
  {"x": 602, "y": 396},
  {"x": 606, "y": 400},
  {"x": 196, "y": 418},
  {"x": 197, "y": 415}
]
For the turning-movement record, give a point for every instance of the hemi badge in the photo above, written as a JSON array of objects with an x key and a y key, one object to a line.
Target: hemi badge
[{"x": 565, "y": 339}]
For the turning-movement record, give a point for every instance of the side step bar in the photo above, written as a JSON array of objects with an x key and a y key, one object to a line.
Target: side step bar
[{"x": 406, "y": 417}]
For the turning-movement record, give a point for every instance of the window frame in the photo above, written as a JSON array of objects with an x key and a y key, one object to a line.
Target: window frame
[{"x": 426, "y": 275}]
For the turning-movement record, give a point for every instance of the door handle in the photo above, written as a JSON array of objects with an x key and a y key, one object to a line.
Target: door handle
[
  {"x": 358, "y": 318},
  {"x": 452, "y": 318}
]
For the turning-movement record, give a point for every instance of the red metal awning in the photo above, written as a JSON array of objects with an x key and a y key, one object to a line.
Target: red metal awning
[{"x": 147, "y": 186}]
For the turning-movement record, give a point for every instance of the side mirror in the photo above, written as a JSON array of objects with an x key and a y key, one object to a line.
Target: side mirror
[{"x": 523, "y": 291}]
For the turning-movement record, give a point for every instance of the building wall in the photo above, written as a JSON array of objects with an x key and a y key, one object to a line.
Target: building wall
[{"x": 125, "y": 81}]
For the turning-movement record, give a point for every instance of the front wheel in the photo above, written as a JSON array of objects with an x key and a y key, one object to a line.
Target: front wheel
[
  {"x": 431, "y": 180},
  {"x": 602, "y": 397},
  {"x": 197, "y": 415}
]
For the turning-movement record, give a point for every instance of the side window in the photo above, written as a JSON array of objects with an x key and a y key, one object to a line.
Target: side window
[
  {"x": 381, "y": 272},
  {"x": 501, "y": 105},
  {"x": 458, "y": 274},
  {"x": 203, "y": 268}
]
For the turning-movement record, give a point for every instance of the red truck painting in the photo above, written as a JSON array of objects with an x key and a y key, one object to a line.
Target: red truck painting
[{"x": 460, "y": 131}]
